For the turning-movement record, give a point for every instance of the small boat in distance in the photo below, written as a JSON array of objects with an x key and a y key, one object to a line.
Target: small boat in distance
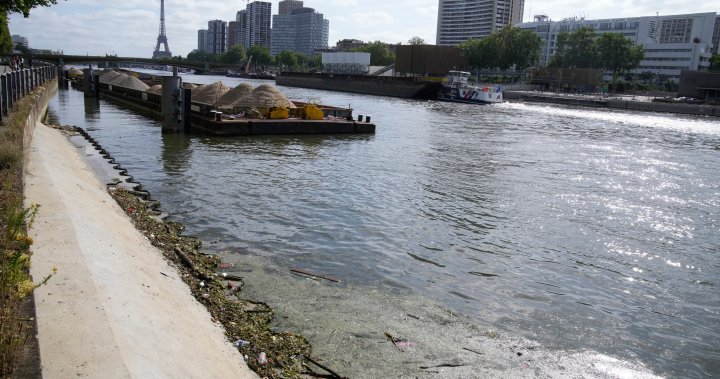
[{"x": 457, "y": 90}]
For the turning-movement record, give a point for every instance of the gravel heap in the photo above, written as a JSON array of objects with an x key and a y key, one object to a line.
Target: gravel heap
[
  {"x": 235, "y": 94},
  {"x": 156, "y": 89},
  {"x": 265, "y": 95},
  {"x": 123, "y": 80},
  {"x": 209, "y": 93}
]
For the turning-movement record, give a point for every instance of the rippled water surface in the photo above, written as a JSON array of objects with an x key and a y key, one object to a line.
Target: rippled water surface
[{"x": 579, "y": 228}]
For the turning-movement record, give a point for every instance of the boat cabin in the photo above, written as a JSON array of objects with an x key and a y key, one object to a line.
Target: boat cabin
[{"x": 457, "y": 78}]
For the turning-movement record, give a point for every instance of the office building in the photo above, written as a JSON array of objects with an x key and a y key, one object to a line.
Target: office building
[
  {"x": 461, "y": 20},
  {"x": 716, "y": 37},
  {"x": 302, "y": 30},
  {"x": 672, "y": 43},
  {"x": 286, "y": 6}
]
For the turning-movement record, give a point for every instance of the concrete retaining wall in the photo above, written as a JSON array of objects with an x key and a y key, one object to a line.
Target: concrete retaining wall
[{"x": 37, "y": 112}]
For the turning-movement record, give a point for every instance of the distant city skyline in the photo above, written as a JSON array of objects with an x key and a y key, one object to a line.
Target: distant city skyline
[{"x": 130, "y": 27}]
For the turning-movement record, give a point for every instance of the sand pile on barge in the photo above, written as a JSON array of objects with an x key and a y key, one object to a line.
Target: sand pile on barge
[
  {"x": 75, "y": 73},
  {"x": 265, "y": 95},
  {"x": 156, "y": 89},
  {"x": 120, "y": 79},
  {"x": 209, "y": 93},
  {"x": 235, "y": 94}
]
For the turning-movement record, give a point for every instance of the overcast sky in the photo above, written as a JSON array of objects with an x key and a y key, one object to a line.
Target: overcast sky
[{"x": 130, "y": 27}]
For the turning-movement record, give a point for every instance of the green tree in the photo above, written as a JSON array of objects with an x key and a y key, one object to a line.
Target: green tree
[
  {"x": 16, "y": 6},
  {"x": 23, "y": 6},
  {"x": 576, "y": 49},
  {"x": 202, "y": 57},
  {"x": 6, "y": 44},
  {"x": 234, "y": 55},
  {"x": 515, "y": 46},
  {"x": 287, "y": 58},
  {"x": 715, "y": 63},
  {"x": 380, "y": 54},
  {"x": 260, "y": 55},
  {"x": 477, "y": 51},
  {"x": 510, "y": 46},
  {"x": 618, "y": 54},
  {"x": 416, "y": 41}
]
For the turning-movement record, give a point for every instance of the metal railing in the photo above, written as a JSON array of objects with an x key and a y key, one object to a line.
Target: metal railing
[{"x": 15, "y": 85}]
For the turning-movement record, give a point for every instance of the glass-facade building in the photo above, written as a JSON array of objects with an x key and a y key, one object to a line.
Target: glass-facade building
[{"x": 302, "y": 30}]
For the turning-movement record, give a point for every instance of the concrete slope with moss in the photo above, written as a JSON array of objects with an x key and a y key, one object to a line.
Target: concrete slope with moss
[{"x": 114, "y": 307}]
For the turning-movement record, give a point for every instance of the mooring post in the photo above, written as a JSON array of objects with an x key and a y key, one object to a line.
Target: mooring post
[
  {"x": 87, "y": 81},
  {"x": 171, "y": 107},
  {"x": 187, "y": 105},
  {"x": 96, "y": 85}
]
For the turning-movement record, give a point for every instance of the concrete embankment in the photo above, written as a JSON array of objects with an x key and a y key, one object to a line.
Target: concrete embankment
[
  {"x": 115, "y": 307},
  {"x": 613, "y": 103}
]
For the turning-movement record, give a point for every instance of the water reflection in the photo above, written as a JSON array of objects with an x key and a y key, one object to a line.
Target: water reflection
[
  {"x": 92, "y": 109},
  {"x": 176, "y": 153}
]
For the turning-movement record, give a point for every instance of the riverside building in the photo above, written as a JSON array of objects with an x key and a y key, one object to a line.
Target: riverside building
[
  {"x": 215, "y": 37},
  {"x": 672, "y": 43},
  {"x": 299, "y": 29},
  {"x": 252, "y": 25},
  {"x": 461, "y": 20}
]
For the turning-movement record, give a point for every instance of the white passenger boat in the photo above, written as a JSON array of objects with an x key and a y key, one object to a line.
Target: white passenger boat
[{"x": 457, "y": 90}]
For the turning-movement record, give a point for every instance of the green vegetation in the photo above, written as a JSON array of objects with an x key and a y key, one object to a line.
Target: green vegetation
[
  {"x": 16, "y": 6},
  {"x": 295, "y": 61},
  {"x": 15, "y": 282},
  {"x": 234, "y": 55},
  {"x": 23, "y": 6},
  {"x": 584, "y": 48},
  {"x": 576, "y": 50},
  {"x": 715, "y": 62},
  {"x": 510, "y": 46},
  {"x": 617, "y": 54},
  {"x": 5, "y": 38},
  {"x": 260, "y": 55},
  {"x": 416, "y": 41},
  {"x": 380, "y": 54}
]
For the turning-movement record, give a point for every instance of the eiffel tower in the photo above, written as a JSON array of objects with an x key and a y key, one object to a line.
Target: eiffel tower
[{"x": 162, "y": 38}]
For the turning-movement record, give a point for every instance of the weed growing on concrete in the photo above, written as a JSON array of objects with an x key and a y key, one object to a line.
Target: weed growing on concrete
[{"x": 16, "y": 285}]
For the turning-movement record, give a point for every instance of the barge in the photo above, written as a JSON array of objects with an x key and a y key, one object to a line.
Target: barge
[
  {"x": 404, "y": 87},
  {"x": 205, "y": 118}
]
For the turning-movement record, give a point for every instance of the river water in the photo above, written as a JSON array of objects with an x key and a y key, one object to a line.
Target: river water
[{"x": 579, "y": 229}]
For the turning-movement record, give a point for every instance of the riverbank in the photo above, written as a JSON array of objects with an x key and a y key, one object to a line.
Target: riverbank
[{"x": 115, "y": 307}]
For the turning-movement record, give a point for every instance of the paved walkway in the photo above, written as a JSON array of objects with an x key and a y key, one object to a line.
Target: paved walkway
[{"x": 115, "y": 309}]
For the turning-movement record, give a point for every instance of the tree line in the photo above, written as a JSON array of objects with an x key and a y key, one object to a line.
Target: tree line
[{"x": 521, "y": 48}]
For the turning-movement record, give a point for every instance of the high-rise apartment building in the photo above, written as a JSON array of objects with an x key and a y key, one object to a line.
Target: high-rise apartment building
[
  {"x": 216, "y": 37},
  {"x": 672, "y": 43},
  {"x": 241, "y": 30},
  {"x": 286, "y": 6},
  {"x": 716, "y": 37},
  {"x": 302, "y": 30},
  {"x": 257, "y": 30},
  {"x": 202, "y": 40},
  {"x": 232, "y": 34},
  {"x": 461, "y": 20}
]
